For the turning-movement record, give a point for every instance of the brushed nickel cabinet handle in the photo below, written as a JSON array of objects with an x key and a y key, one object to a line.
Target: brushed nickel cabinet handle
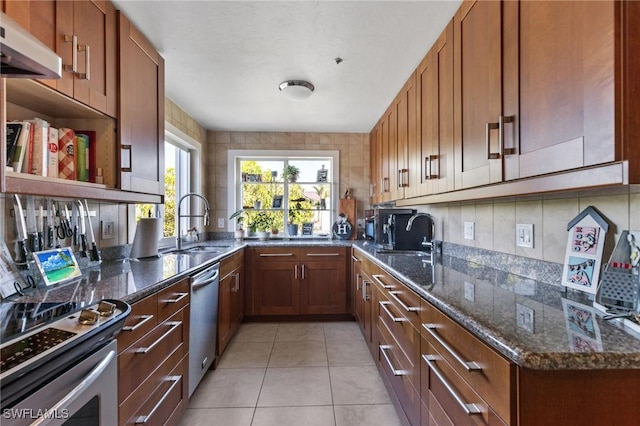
[
  {"x": 276, "y": 254},
  {"x": 383, "y": 305},
  {"x": 179, "y": 298},
  {"x": 173, "y": 324},
  {"x": 87, "y": 62},
  {"x": 73, "y": 39},
  {"x": 467, "y": 365},
  {"x": 501, "y": 122},
  {"x": 377, "y": 278},
  {"x": 322, "y": 254},
  {"x": 143, "y": 319},
  {"x": 396, "y": 372},
  {"x": 355, "y": 259},
  {"x": 144, "y": 419},
  {"x": 489, "y": 128},
  {"x": 303, "y": 271},
  {"x": 295, "y": 269},
  {"x": 404, "y": 306},
  {"x": 365, "y": 296},
  {"x": 468, "y": 408},
  {"x": 427, "y": 167}
]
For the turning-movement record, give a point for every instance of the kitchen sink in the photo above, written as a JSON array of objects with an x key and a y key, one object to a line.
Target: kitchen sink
[
  {"x": 195, "y": 249},
  {"x": 415, "y": 253}
]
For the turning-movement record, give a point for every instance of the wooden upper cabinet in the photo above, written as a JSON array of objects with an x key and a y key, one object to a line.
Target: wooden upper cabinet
[
  {"x": 141, "y": 112},
  {"x": 565, "y": 112},
  {"x": 435, "y": 160},
  {"x": 408, "y": 146},
  {"x": 374, "y": 186},
  {"x": 478, "y": 93}
]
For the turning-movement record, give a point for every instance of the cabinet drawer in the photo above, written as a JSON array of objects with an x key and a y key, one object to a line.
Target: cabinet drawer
[
  {"x": 140, "y": 359},
  {"x": 323, "y": 254},
  {"x": 228, "y": 264},
  {"x": 268, "y": 254},
  {"x": 143, "y": 317},
  {"x": 172, "y": 299},
  {"x": 132, "y": 407},
  {"x": 406, "y": 302},
  {"x": 486, "y": 371},
  {"x": 165, "y": 395},
  {"x": 399, "y": 371}
]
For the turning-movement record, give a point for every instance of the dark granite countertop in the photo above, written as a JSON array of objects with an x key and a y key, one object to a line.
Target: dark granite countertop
[
  {"x": 481, "y": 299},
  {"x": 484, "y": 301}
]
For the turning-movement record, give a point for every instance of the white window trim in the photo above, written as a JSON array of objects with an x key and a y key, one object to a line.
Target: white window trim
[{"x": 233, "y": 155}]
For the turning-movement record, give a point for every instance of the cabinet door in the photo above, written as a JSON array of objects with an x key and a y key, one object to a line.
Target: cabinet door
[
  {"x": 141, "y": 112},
  {"x": 237, "y": 300},
  {"x": 478, "y": 93},
  {"x": 276, "y": 288},
  {"x": 375, "y": 164},
  {"x": 225, "y": 308},
  {"x": 408, "y": 143},
  {"x": 565, "y": 116},
  {"x": 435, "y": 123},
  {"x": 323, "y": 287}
]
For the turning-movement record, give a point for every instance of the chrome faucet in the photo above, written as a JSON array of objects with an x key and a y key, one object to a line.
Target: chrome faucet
[
  {"x": 424, "y": 243},
  {"x": 205, "y": 215}
]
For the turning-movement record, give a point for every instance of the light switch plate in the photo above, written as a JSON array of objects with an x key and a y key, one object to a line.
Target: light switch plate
[
  {"x": 469, "y": 230},
  {"x": 525, "y": 317},
  {"x": 107, "y": 230},
  {"x": 469, "y": 291},
  {"x": 524, "y": 235},
  {"x": 221, "y": 222}
]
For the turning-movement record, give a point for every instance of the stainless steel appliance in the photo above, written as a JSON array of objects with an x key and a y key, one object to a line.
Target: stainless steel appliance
[
  {"x": 23, "y": 55},
  {"x": 204, "y": 321},
  {"x": 58, "y": 362},
  {"x": 393, "y": 232}
]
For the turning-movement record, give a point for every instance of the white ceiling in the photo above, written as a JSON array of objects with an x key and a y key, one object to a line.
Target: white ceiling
[{"x": 224, "y": 60}]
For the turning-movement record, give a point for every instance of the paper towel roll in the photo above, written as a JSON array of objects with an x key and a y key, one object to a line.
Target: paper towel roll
[{"x": 145, "y": 241}]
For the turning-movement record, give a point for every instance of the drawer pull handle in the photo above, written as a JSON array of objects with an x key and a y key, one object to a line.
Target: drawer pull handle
[
  {"x": 144, "y": 419},
  {"x": 323, "y": 254},
  {"x": 355, "y": 259},
  {"x": 406, "y": 308},
  {"x": 365, "y": 296},
  {"x": 180, "y": 297},
  {"x": 468, "y": 408},
  {"x": 384, "y": 304},
  {"x": 173, "y": 324},
  {"x": 275, "y": 254},
  {"x": 383, "y": 349},
  {"x": 377, "y": 278},
  {"x": 143, "y": 320},
  {"x": 467, "y": 365}
]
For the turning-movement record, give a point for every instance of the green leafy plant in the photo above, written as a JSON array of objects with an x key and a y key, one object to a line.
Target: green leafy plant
[
  {"x": 239, "y": 217},
  {"x": 263, "y": 221},
  {"x": 291, "y": 173}
]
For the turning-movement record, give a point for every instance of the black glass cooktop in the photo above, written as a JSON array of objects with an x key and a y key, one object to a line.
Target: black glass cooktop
[
  {"x": 19, "y": 318},
  {"x": 33, "y": 345}
]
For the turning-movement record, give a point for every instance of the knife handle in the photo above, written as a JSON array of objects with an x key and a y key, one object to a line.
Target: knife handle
[
  {"x": 94, "y": 253},
  {"x": 50, "y": 237},
  {"x": 83, "y": 245},
  {"x": 34, "y": 242}
]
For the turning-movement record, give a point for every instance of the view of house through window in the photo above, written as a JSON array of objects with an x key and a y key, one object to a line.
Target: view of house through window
[{"x": 289, "y": 195}]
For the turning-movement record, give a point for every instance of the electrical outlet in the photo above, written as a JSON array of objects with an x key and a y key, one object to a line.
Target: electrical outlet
[
  {"x": 469, "y": 230},
  {"x": 107, "y": 230},
  {"x": 469, "y": 291},
  {"x": 524, "y": 317},
  {"x": 221, "y": 222},
  {"x": 524, "y": 235},
  {"x": 360, "y": 223}
]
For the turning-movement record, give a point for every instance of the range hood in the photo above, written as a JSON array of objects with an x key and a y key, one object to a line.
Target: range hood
[{"x": 23, "y": 55}]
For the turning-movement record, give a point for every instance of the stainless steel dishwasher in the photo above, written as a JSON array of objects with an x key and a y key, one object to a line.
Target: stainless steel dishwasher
[{"x": 204, "y": 322}]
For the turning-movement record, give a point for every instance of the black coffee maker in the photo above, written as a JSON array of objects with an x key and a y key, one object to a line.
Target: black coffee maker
[{"x": 391, "y": 229}]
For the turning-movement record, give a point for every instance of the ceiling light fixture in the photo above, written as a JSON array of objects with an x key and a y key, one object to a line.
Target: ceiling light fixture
[{"x": 296, "y": 90}]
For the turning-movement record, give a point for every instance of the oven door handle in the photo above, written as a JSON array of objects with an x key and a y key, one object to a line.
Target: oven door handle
[{"x": 79, "y": 389}]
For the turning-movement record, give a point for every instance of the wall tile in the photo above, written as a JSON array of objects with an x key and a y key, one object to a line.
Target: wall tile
[
  {"x": 237, "y": 140},
  {"x": 504, "y": 220},
  {"x": 615, "y": 209},
  {"x": 484, "y": 226},
  {"x": 556, "y": 214},
  {"x": 453, "y": 225},
  {"x": 467, "y": 214}
]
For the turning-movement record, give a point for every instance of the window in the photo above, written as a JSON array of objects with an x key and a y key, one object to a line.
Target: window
[
  {"x": 181, "y": 154},
  {"x": 274, "y": 201}
]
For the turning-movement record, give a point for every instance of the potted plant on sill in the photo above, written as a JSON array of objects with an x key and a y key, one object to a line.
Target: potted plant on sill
[
  {"x": 239, "y": 217},
  {"x": 263, "y": 222},
  {"x": 291, "y": 173}
]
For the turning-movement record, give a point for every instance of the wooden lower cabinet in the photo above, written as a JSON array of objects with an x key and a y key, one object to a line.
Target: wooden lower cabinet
[
  {"x": 230, "y": 299},
  {"x": 363, "y": 299},
  {"x": 299, "y": 281},
  {"x": 153, "y": 362}
]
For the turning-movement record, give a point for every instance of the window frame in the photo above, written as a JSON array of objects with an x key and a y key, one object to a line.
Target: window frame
[{"x": 235, "y": 156}]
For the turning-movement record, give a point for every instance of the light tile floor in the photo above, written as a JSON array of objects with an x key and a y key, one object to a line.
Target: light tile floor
[{"x": 297, "y": 374}]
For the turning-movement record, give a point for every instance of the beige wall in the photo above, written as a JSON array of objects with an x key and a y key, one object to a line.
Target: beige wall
[
  {"x": 183, "y": 121},
  {"x": 354, "y": 161},
  {"x": 495, "y": 221}
]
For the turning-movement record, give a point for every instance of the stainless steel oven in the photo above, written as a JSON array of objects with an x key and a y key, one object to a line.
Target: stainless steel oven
[{"x": 60, "y": 365}]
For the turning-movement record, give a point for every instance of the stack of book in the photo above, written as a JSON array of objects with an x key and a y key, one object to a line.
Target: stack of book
[{"x": 37, "y": 148}]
